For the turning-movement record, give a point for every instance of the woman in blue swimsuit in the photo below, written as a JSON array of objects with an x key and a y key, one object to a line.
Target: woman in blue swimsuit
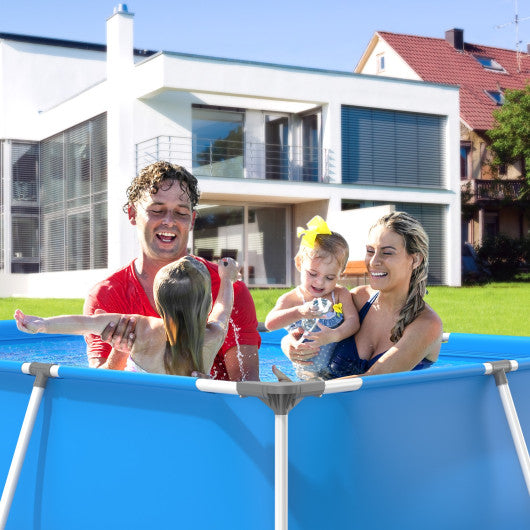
[{"x": 399, "y": 331}]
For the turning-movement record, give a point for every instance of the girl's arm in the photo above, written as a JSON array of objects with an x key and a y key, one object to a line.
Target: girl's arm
[
  {"x": 217, "y": 324},
  {"x": 349, "y": 326},
  {"x": 65, "y": 324},
  {"x": 288, "y": 310}
]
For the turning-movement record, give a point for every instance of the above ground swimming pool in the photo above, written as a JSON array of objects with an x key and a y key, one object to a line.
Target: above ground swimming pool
[{"x": 439, "y": 448}]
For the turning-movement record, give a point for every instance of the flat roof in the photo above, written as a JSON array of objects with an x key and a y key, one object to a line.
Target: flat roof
[{"x": 62, "y": 43}]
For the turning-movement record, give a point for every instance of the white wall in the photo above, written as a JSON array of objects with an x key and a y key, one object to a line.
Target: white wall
[
  {"x": 36, "y": 78},
  {"x": 395, "y": 66},
  {"x": 354, "y": 226}
]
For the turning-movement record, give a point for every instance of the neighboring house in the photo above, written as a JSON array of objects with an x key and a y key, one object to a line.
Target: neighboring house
[
  {"x": 483, "y": 73},
  {"x": 272, "y": 146}
]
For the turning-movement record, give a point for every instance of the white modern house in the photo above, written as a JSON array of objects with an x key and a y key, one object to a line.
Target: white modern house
[{"x": 272, "y": 146}]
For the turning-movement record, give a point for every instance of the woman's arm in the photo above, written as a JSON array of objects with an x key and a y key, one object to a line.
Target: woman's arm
[
  {"x": 65, "y": 324},
  {"x": 421, "y": 338},
  {"x": 217, "y": 324}
]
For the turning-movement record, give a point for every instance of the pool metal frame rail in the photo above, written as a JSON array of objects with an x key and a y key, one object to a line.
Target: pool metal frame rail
[
  {"x": 41, "y": 371},
  {"x": 283, "y": 396}
]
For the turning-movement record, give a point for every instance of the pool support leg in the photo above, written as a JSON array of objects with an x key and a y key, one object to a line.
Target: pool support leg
[
  {"x": 41, "y": 371},
  {"x": 499, "y": 370}
]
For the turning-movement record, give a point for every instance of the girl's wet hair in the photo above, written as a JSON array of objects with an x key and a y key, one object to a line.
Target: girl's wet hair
[
  {"x": 326, "y": 245},
  {"x": 416, "y": 242},
  {"x": 183, "y": 298}
]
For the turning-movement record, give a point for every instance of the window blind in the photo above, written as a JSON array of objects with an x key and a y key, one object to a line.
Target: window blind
[
  {"x": 74, "y": 197},
  {"x": 384, "y": 147}
]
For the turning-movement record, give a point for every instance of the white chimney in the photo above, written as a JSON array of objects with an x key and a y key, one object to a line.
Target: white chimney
[{"x": 120, "y": 46}]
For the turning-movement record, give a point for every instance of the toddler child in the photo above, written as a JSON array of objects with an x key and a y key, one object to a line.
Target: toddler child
[{"x": 322, "y": 308}]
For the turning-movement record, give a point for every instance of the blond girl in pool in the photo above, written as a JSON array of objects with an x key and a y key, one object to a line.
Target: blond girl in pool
[{"x": 186, "y": 340}]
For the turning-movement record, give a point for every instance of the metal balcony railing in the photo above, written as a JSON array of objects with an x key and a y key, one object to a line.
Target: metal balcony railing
[
  {"x": 493, "y": 189},
  {"x": 237, "y": 159}
]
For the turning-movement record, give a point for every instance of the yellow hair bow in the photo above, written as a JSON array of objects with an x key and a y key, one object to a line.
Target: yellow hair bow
[
  {"x": 316, "y": 226},
  {"x": 337, "y": 308}
]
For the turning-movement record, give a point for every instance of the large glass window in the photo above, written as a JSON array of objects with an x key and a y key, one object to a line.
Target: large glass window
[
  {"x": 267, "y": 246},
  {"x": 217, "y": 143},
  {"x": 74, "y": 198},
  {"x": 255, "y": 236}
]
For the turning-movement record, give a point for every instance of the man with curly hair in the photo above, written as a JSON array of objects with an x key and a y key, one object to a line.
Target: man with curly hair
[{"x": 161, "y": 203}]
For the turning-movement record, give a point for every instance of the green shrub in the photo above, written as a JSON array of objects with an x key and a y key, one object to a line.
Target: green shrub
[{"x": 504, "y": 255}]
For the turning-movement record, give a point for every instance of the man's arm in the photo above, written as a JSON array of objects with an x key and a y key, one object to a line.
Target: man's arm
[
  {"x": 243, "y": 367},
  {"x": 241, "y": 358}
]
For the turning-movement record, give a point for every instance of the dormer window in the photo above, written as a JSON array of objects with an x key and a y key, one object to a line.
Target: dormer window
[
  {"x": 381, "y": 62},
  {"x": 489, "y": 63},
  {"x": 496, "y": 96}
]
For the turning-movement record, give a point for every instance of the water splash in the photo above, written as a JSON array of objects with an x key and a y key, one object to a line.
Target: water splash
[{"x": 236, "y": 329}]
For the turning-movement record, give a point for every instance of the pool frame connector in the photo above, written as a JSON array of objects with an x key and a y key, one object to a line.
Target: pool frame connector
[{"x": 41, "y": 372}]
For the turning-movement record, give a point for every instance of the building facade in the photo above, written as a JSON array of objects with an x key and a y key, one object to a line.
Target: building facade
[
  {"x": 272, "y": 146},
  {"x": 490, "y": 196}
]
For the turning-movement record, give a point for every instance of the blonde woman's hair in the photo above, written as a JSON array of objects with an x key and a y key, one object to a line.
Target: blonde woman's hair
[
  {"x": 416, "y": 242},
  {"x": 326, "y": 245},
  {"x": 183, "y": 298}
]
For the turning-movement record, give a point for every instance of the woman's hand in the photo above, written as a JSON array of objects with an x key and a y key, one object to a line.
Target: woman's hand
[
  {"x": 297, "y": 351},
  {"x": 320, "y": 338}
]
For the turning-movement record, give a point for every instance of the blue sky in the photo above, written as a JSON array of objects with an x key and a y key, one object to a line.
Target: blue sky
[{"x": 331, "y": 34}]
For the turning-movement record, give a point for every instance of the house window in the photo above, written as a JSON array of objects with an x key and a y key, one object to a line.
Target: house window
[
  {"x": 390, "y": 148},
  {"x": 489, "y": 63},
  {"x": 276, "y": 147},
  {"x": 24, "y": 173},
  {"x": 310, "y": 147},
  {"x": 73, "y": 202},
  {"x": 25, "y": 230},
  {"x": 380, "y": 63},
  {"x": 465, "y": 160},
  {"x": 217, "y": 142},
  {"x": 24, "y": 207},
  {"x": 491, "y": 224},
  {"x": 496, "y": 96},
  {"x": 255, "y": 236}
]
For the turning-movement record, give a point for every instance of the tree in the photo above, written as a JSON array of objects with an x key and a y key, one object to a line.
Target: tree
[{"x": 511, "y": 133}]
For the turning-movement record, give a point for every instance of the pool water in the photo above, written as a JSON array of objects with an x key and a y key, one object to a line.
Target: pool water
[{"x": 71, "y": 351}]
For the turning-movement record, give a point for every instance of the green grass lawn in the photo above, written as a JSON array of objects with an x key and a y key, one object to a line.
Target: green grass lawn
[{"x": 496, "y": 308}]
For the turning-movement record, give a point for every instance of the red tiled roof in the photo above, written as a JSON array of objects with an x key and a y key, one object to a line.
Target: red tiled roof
[{"x": 437, "y": 61}]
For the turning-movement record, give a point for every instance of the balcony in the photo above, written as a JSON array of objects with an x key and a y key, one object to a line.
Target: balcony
[
  {"x": 235, "y": 159},
  {"x": 493, "y": 190}
]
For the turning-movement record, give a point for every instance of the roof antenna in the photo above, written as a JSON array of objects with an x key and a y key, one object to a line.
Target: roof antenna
[{"x": 516, "y": 20}]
